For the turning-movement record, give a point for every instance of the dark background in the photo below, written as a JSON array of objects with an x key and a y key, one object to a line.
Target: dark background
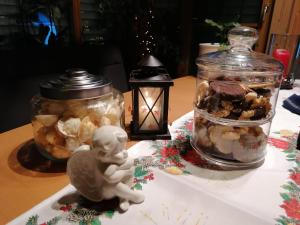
[
  {"x": 108, "y": 41},
  {"x": 114, "y": 22}
]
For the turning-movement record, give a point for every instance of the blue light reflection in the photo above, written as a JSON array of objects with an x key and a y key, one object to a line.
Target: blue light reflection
[{"x": 45, "y": 21}]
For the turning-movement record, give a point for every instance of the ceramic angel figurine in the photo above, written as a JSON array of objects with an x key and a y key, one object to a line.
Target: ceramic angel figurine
[{"x": 105, "y": 171}]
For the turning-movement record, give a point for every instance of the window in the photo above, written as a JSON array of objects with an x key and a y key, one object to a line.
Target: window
[{"x": 8, "y": 22}]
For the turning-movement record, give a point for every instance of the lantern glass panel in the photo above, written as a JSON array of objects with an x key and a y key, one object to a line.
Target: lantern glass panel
[{"x": 151, "y": 101}]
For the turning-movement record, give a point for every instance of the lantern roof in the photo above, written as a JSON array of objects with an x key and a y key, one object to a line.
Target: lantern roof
[
  {"x": 149, "y": 61},
  {"x": 151, "y": 72}
]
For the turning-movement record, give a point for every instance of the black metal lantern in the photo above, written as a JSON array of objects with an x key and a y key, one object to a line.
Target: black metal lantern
[{"x": 150, "y": 85}]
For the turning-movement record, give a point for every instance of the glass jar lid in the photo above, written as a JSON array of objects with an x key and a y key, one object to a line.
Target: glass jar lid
[
  {"x": 239, "y": 57},
  {"x": 76, "y": 84}
]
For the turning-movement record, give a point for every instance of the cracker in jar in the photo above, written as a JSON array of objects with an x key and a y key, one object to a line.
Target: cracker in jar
[
  {"x": 47, "y": 120},
  {"x": 60, "y": 152},
  {"x": 227, "y": 105},
  {"x": 52, "y": 108},
  {"x": 54, "y": 138},
  {"x": 40, "y": 136},
  {"x": 227, "y": 146},
  {"x": 114, "y": 116},
  {"x": 246, "y": 115},
  {"x": 202, "y": 91},
  {"x": 105, "y": 121},
  {"x": 250, "y": 96},
  {"x": 216, "y": 131},
  {"x": 221, "y": 113},
  {"x": 95, "y": 117},
  {"x": 86, "y": 130},
  {"x": 77, "y": 109},
  {"x": 253, "y": 146},
  {"x": 231, "y": 135},
  {"x": 69, "y": 128},
  {"x": 201, "y": 135},
  {"x": 72, "y": 143}
]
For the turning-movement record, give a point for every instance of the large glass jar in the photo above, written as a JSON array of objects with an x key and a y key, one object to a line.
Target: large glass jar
[
  {"x": 69, "y": 109},
  {"x": 235, "y": 102}
]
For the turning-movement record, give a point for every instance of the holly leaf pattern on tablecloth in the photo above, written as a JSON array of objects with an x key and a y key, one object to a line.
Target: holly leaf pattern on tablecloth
[
  {"x": 53, "y": 221},
  {"x": 32, "y": 220},
  {"x": 109, "y": 214},
  {"x": 138, "y": 186},
  {"x": 95, "y": 221},
  {"x": 140, "y": 172},
  {"x": 167, "y": 154},
  {"x": 285, "y": 196},
  {"x": 291, "y": 196}
]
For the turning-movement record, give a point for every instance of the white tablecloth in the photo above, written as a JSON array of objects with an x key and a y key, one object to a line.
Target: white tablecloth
[{"x": 178, "y": 192}]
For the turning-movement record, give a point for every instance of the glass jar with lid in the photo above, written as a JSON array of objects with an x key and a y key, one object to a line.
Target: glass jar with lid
[
  {"x": 235, "y": 102},
  {"x": 69, "y": 109}
]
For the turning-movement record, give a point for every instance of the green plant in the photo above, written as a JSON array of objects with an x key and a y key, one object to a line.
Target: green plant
[{"x": 222, "y": 29}]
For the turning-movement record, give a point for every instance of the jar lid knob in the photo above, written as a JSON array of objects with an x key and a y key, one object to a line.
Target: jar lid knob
[
  {"x": 76, "y": 84},
  {"x": 76, "y": 72},
  {"x": 242, "y": 38}
]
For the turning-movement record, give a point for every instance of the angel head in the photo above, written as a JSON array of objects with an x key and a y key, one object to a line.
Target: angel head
[{"x": 109, "y": 144}]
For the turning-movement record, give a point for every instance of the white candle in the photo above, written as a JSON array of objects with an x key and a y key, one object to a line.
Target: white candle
[{"x": 150, "y": 122}]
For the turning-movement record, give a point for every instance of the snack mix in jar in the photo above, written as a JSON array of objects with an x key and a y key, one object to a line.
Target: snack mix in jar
[
  {"x": 69, "y": 109},
  {"x": 235, "y": 102}
]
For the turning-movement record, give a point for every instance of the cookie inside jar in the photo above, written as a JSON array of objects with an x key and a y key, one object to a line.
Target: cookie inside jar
[
  {"x": 238, "y": 144},
  {"x": 236, "y": 100}
]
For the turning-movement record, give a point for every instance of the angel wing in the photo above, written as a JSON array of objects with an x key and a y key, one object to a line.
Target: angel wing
[{"x": 85, "y": 176}]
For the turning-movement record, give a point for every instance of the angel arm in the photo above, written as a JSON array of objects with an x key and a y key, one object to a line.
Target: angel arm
[
  {"x": 119, "y": 158},
  {"x": 113, "y": 175},
  {"x": 127, "y": 165}
]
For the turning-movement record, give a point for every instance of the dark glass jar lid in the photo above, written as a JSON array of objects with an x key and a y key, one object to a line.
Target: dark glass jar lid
[{"x": 76, "y": 84}]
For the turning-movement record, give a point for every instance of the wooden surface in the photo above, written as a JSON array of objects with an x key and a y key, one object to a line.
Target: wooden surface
[
  {"x": 286, "y": 21},
  {"x": 281, "y": 16},
  {"x": 286, "y": 17},
  {"x": 264, "y": 25},
  {"x": 76, "y": 21},
  {"x": 294, "y": 25},
  {"x": 23, "y": 188},
  {"x": 186, "y": 35}
]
